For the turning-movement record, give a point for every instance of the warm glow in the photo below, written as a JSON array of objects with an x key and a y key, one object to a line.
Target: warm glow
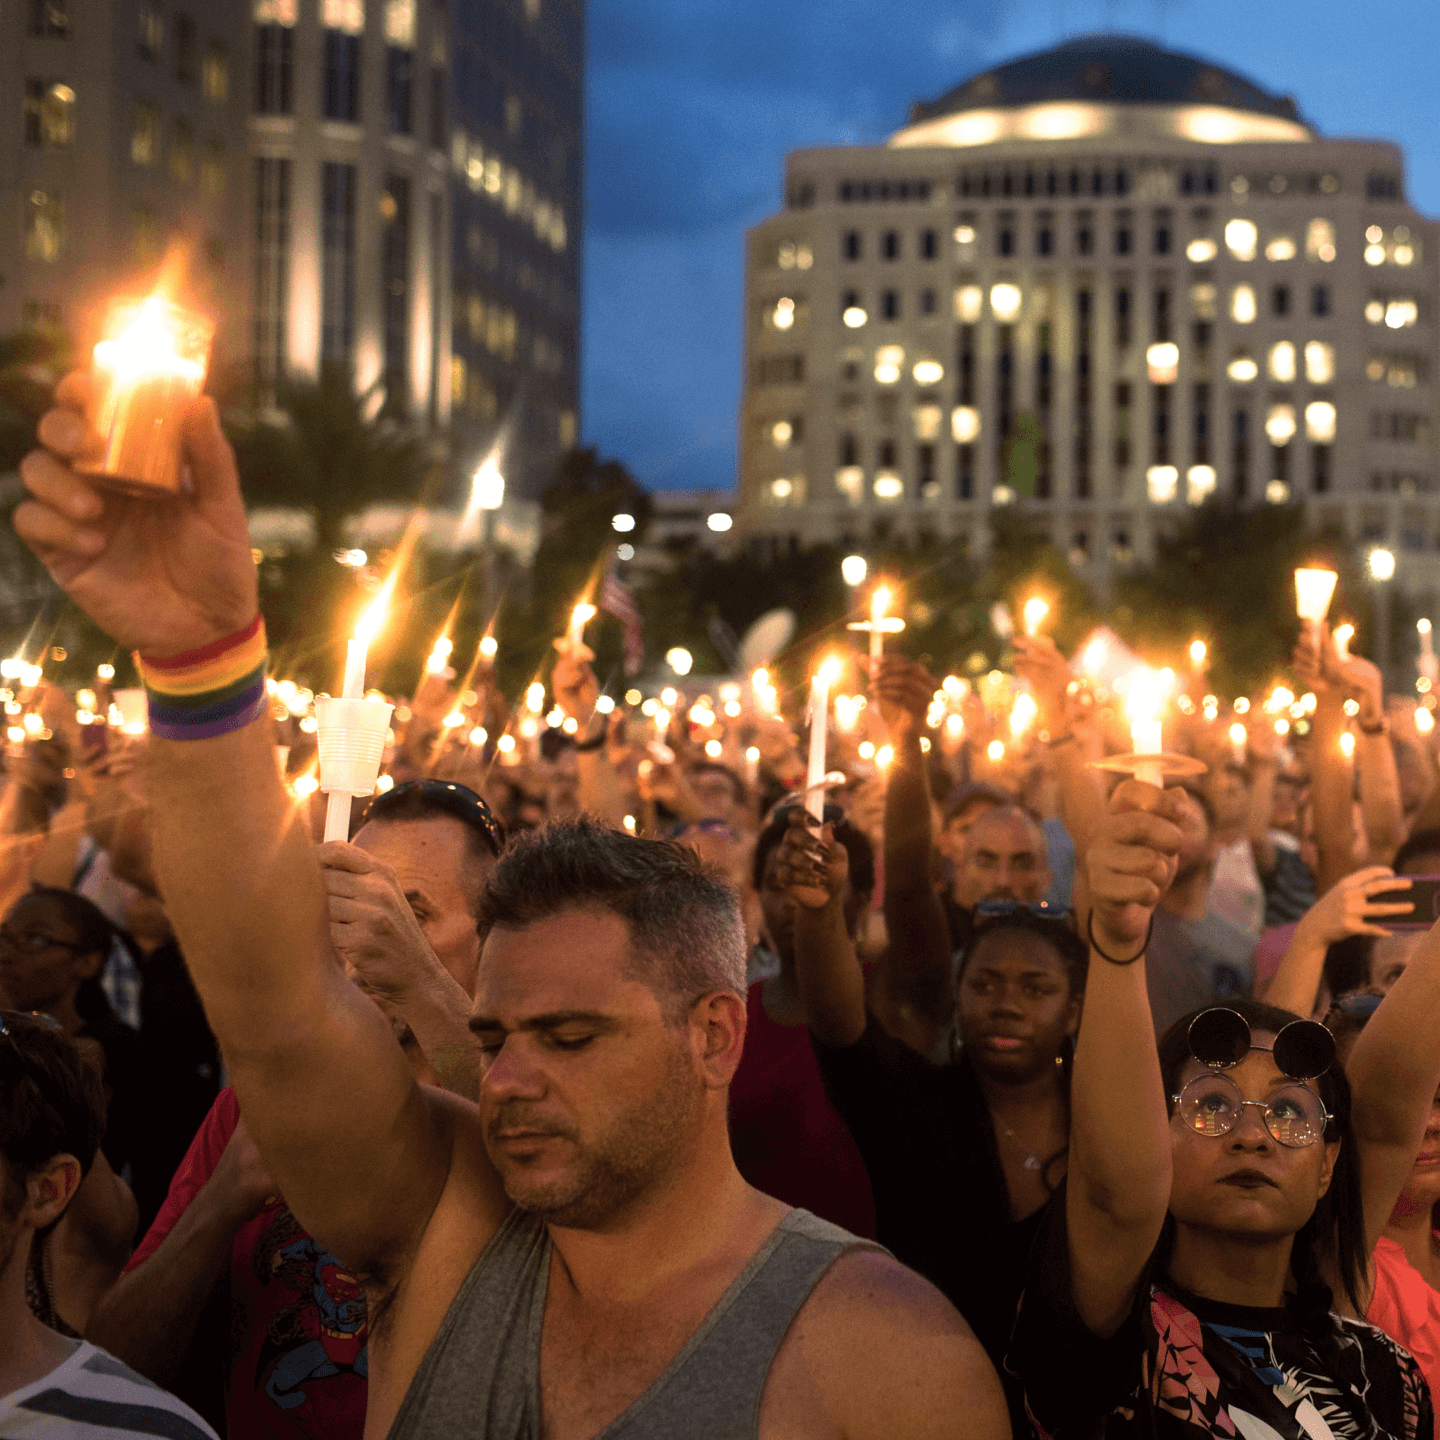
[
  {"x": 1424, "y": 720},
  {"x": 888, "y": 360},
  {"x": 679, "y": 660},
  {"x": 1242, "y": 369},
  {"x": 1198, "y": 652},
  {"x": 1320, "y": 422},
  {"x": 1319, "y": 362},
  {"x": 964, "y": 424},
  {"x": 1242, "y": 304},
  {"x": 1163, "y": 361},
  {"x": 1280, "y": 424},
  {"x": 928, "y": 372},
  {"x": 1200, "y": 250},
  {"x": 995, "y": 750},
  {"x": 1282, "y": 361},
  {"x": 885, "y": 756},
  {"x": 505, "y": 744},
  {"x": 1199, "y": 484},
  {"x": 853, "y": 570},
  {"x": 478, "y": 735},
  {"x": 535, "y": 697},
  {"x": 1314, "y": 589},
  {"x": 1022, "y": 714},
  {"x": 305, "y": 785},
  {"x": 1240, "y": 238},
  {"x": 1282, "y": 247},
  {"x": 1036, "y": 609},
  {"x": 1347, "y": 744},
  {"x": 1005, "y": 301},
  {"x": 854, "y": 317},
  {"x": 1161, "y": 483},
  {"x": 1238, "y": 734},
  {"x": 880, "y": 599},
  {"x": 1382, "y": 564},
  {"x": 969, "y": 302},
  {"x": 488, "y": 646},
  {"x": 831, "y": 668}
]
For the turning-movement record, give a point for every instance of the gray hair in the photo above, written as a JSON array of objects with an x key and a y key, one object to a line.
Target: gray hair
[{"x": 686, "y": 931}]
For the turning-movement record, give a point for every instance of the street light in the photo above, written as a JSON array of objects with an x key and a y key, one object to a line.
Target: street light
[
  {"x": 853, "y": 570},
  {"x": 1382, "y": 564},
  {"x": 679, "y": 660}
]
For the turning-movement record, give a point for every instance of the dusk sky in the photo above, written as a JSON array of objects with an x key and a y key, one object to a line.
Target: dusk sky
[{"x": 694, "y": 104}]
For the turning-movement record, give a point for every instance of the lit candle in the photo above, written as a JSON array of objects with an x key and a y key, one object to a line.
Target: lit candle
[
  {"x": 1427, "y": 663},
  {"x": 1145, "y": 733},
  {"x": 580, "y": 616},
  {"x": 1022, "y": 714},
  {"x": 879, "y": 604},
  {"x": 1238, "y": 737},
  {"x": 1035, "y": 611},
  {"x": 1313, "y": 591},
  {"x": 820, "y": 685},
  {"x": 148, "y": 367},
  {"x": 357, "y": 648},
  {"x": 439, "y": 660},
  {"x": 1344, "y": 634},
  {"x": 1198, "y": 653}
]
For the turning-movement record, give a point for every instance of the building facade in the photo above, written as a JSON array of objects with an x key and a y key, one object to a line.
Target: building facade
[
  {"x": 1101, "y": 283},
  {"x": 126, "y": 134},
  {"x": 517, "y": 166}
]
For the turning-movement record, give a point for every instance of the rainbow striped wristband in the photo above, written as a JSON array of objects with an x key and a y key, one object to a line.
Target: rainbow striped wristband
[{"x": 210, "y": 691}]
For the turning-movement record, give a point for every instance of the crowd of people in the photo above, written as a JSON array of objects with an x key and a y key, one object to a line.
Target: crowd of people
[{"x": 600, "y": 1085}]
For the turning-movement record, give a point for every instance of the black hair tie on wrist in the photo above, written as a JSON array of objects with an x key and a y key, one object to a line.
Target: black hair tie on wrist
[{"x": 1090, "y": 935}]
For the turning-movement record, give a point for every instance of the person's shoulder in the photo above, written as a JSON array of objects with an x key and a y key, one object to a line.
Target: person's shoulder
[
  {"x": 886, "y": 1354},
  {"x": 94, "y": 1392}
]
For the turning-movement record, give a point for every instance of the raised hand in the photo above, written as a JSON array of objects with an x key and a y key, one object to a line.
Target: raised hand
[
  {"x": 811, "y": 864},
  {"x": 1131, "y": 862},
  {"x": 1352, "y": 906},
  {"x": 902, "y": 688},
  {"x": 158, "y": 575},
  {"x": 573, "y": 681},
  {"x": 1038, "y": 661}
]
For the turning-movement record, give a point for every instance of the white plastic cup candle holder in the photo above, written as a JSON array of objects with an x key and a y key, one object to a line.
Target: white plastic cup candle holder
[
  {"x": 148, "y": 366},
  {"x": 134, "y": 710},
  {"x": 352, "y": 743}
]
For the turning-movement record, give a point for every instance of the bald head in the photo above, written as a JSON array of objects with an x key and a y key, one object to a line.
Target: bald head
[{"x": 1005, "y": 858}]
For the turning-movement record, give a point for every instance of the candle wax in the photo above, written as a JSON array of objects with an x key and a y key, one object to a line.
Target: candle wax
[
  {"x": 1145, "y": 740},
  {"x": 819, "y": 719}
]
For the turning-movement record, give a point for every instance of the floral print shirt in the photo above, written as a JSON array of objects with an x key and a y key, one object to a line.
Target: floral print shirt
[{"x": 1185, "y": 1368}]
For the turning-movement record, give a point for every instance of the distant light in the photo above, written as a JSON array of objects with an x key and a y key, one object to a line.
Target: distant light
[
  {"x": 1374, "y": 234},
  {"x": 1374, "y": 254},
  {"x": 103, "y": 672},
  {"x": 535, "y": 697},
  {"x": 1162, "y": 483},
  {"x": 1197, "y": 652},
  {"x": 625, "y": 551},
  {"x": 1277, "y": 492},
  {"x": 1424, "y": 720},
  {"x": 1005, "y": 300},
  {"x": 630, "y": 824},
  {"x": 1242, "y": 304},
  {"x": 1200, "y": 483},
  {"x": 1242, "y": 369},
  {"x": 888, "y": 360},
  {"x": 782, "y": 432},
  {"x": 719, "y": 522},
  {"x": 669, "y": 695},
  {"x": 969, "y": 302},
  {"x": 996, "y": 750},
  {"x": 679, "y": 660},
  {"x": 865, "y": 750},
  {"x": 1382, "y": 564},
  {"x": 854, "y": 569},
  {"x": 1162, "y": 361},
  {"x": 928, "y": 372},
  {"x": 1280, "y": 424},
  {"x": 1282, "y": 361},
  {"x": 888, "y": 485},
  {"x": 570, "y": 725},
  {"x": 305, "y": 785},
  {"x": 784, "y": 316},
  {"x": 854, "y": 317},
  {"x": 478, "y": 735},
  {"x": 633, "y": 697},
  {"x": 1282, "y": 247},
  {"x": 1320, "y": 422},
  {"x": 1200, "y": 250},
  {"x": 505, "y": 744},
  {"x": 605, "y": 705},
  {"x": 964, "y": 424},
  {"x": 623, "y": 523},
  {"x": 1423, "y": 626},
  {"x": 714, "y": 749},
  {"x": 487, "y": 486},
  {"x": 1240, "y": 238},
  {"x": 488, "y": 646},
  {"x": 384, "y": 783}
]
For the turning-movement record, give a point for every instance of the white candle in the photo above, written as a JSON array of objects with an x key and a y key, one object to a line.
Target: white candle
[
  {"x": 1344, "y": 634},
  {"x": 819, "y": 725},
  {"x": 1036, "y": 610},
  {"x": 579, "y": 617},
  {"x": 1238, "y": 737},
  {"x": 1313, "y": 591},
  {"x": 1145, "y": 740},
  {"x": 879, "y": 604}
]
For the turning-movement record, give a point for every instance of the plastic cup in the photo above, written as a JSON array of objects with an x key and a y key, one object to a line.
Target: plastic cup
[
  {"x": 352, "y": 743},
  {"x": 134, "y": 710},
  {"x": 149, "y": 365}
]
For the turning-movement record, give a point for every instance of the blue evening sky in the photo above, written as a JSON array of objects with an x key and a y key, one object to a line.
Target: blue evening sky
[{"x": 693, "y": 105}]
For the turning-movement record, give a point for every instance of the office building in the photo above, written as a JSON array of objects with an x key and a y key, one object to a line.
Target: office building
[{"x": 1101, "y": 283}]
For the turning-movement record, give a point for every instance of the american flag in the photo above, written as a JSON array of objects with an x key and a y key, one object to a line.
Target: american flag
[{"x": 617, "y": 600}]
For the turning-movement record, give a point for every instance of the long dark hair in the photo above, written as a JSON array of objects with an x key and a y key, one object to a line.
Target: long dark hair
[{"x": 1335, "y": 1233}]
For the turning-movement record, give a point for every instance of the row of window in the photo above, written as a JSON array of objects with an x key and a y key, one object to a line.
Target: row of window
[
  {"x": 47, "y": 236},
  {"x": 487, "y": 173},
  {"x": 340, "y": 80}
]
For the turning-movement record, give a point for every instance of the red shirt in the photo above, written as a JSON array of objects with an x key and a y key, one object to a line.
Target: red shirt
[
  {"x": 298, "y": 1362},
  {"x": 787, "y": 1138},
  {"x": 1406, "y": 1308}
]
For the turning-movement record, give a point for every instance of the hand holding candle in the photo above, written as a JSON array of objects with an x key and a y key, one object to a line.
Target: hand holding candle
[{"x": 879, "y": 624}]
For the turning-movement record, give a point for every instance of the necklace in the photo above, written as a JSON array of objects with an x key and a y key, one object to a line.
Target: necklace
[{"x": 1032, "y": 1161}]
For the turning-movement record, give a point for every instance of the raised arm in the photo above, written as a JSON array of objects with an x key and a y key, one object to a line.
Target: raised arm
[
  {"x": 1119, "y": 1177},
  {"x": 1356, "y": 906},
  {"x": 576, "y": 693},
  {"x": 1380, "y": 802},
  {"x": 813, "y": 867},
  {"x": 1394, "y": 1070},
  {"x": 1316, "y": 663},
  {"x": 360, "y": 1154},
  {"x": 914, "y": 918}
]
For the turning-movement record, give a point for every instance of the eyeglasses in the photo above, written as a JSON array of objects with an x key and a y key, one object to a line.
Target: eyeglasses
[
  {"x": 1359, "y": 1005},
  {"x": 1220, "y": 1038},
  {"x": 10, "y": 1018},
  {"x": 460, "y": 800},
  {"x": 32, "y": 942},
  {"x": 1040, "y": 909},
  {"x": 1212, "y": 1105}
]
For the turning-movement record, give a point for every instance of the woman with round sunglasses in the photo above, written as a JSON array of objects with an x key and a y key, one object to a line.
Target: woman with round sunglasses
[{"x": 1201, "y": 1274}]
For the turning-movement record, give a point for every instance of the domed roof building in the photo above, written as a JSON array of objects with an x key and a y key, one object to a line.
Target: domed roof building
[{"x": 1102, "y": 282}]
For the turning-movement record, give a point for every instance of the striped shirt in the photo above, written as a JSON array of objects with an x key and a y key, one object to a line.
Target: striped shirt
[{"x": 92, "y": 1396}]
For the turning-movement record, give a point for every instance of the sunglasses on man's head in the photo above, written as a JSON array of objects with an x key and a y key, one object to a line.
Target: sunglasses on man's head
[
  {"x": 454, "y": 797},
  {"x": 1039, "y": 909}
]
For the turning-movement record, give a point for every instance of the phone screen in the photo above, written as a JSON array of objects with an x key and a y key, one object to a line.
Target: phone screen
[{"x": 1424, "y": 892}]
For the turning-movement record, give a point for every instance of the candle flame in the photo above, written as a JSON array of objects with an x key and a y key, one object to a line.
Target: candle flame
[
  {"x": 830, "y": 670},
  {"x": 1022, "y": 714},
  {"x": 880, "y": 603},
  {"x": 1145, "y": 698},
  {"x": 1313, "y": 591},
  {"x": 1238, "y": 734},
  {"x": 581, "y": 616},
  {"x": 1035, "y": 611},
  {"x": 1198, "y": 652}
]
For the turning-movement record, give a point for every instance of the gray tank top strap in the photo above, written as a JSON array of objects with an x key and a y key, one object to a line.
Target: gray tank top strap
[{"x": 481, "y": 1374}]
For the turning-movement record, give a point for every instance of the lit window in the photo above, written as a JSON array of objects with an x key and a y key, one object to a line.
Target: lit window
[
  {"x": 804, "y": 257},
  {"x": 215, "y": 75},
  {"x": 1202, "y": 300},
  {"x": 1403, "y": 255},
  {"x": 1374, "y": 234},
  {"x": 1280, "y": 424},
  {"x": 1242, "y": 304},
  {"x": 49, "y": 114},
  {"x": 888, "y": 485},
  {"x": 457, "y": 380},
  {"x": 1320, "y": 422},
  {"x": 400, "y": 23},
  {"x": 345, "y": 15},
  {"x": 928, "y": 419},
  {"x": 569, "y": 427},
  {"x": 1201, "y": 249},
  {"x": 888, "y": 362},
  {"x": 1282, "y": 362},
  {"x": 854, "y": 317},
  {"x": 1161, "y": 483},
  {"x": 965, "y": 241},
  {"x": 1400, "y": 313},
  {"x": 783, "y": 316},
  {"x": 788, "y": 490},
  {"x": 1162, "y": 361},
  {"x": 151, "y": 35},
  {"x": 1242, "y": 369},
  {"x": 928, "y": 372},
  {"x": 850, "y": 482},
  {"x": 786, "y": 258},
  {"x": 275, "y": 12},
  {"x": 1240, "y": 238},
  {"x": 1277, "y": 492},
  {"x": 782, "y": 432},
  {"x": 1199, "y": 484},
  {"x": 1319, "y": 362},
  {"x": 1002, "y": 495},
  {"x": 1374, "y": 254},
  {"x": 44, "y": 227},
  {"x": 1320, "y": 241},
  {"x": 145, "y": 138},
  {"x": 781, "y": 489},
  {"x": 964, "y": 424},
  {"x": 969, "y": 301},
  {"x": 1005, "y": 301},
  {"x": 1282, "y": 247},
  {"x": 1375, "y": 312}
]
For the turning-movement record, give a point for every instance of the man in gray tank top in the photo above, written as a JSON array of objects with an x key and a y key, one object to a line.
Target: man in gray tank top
[{"x": 577, "y": 1256}]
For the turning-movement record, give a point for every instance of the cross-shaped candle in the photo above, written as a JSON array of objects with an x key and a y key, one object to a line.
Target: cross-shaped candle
[{"x": 879, "y": 624}]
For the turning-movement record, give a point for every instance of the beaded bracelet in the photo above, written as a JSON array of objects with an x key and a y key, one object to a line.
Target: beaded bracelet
[{"x": 210, "y": 691}]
